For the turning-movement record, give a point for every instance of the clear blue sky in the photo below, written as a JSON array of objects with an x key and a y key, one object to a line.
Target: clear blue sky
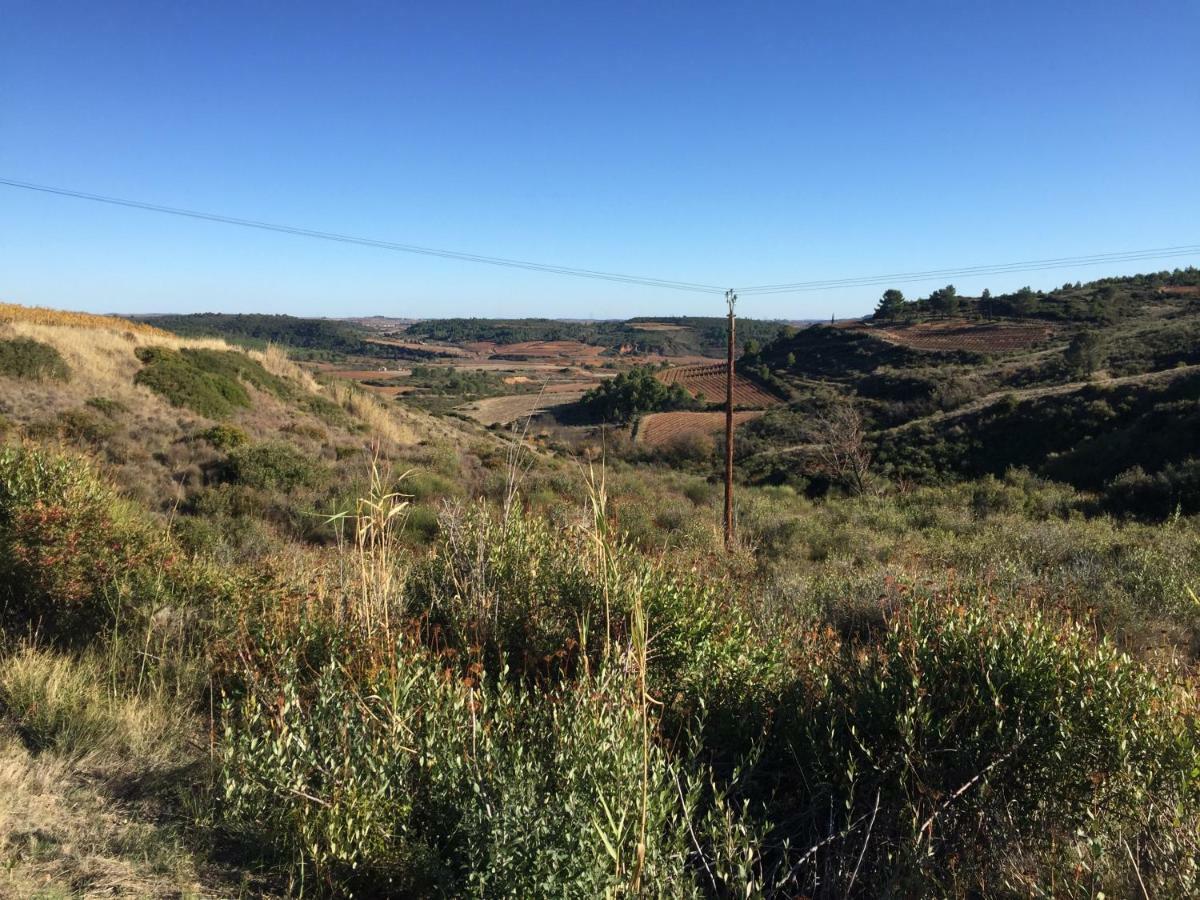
[{"x": 724, "y": 143}]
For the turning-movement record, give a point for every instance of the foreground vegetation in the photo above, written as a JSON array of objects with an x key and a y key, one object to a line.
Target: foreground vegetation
[{"x": 422, "y": 662}]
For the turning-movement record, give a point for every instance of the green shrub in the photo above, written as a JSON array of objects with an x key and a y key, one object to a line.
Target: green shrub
[
  {"x": 64, "y": 541},
  {"x": 209, "y": 382},
  {"x": 274, "y": 467},
  {"x": 970, "y": 735},
  {"x": 183, "y": 382},
  {"x": 225, "y": 437},
  {"x": 32, "y": 360},
  {"x": 413, "y": 783}
]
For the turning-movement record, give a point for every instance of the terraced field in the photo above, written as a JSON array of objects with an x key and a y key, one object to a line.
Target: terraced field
[
  {"x": 976, "y": 337},
  {"x": 708, "y": 381},
  {"x": 660, "y": 429}
]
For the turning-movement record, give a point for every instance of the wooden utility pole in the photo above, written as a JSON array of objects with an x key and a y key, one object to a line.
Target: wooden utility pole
[{"x": 730, "y": 299}]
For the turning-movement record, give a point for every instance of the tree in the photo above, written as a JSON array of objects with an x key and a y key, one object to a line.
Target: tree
[
  {"x": 633, "y": 393},
  {"x": 985, "y": 303},
  {"x": 891, "y": 304},
  {"x": 1085, "y": 353},
  {"x": 945, "y": 300},
  {"x": 840, "y": 441}
]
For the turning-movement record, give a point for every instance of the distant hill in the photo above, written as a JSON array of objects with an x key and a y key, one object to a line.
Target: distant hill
[
  {"x": 1094, "y": 384},
  {"x": 667, "y": 336}
]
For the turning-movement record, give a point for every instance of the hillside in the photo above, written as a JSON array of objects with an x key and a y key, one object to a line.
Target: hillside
[
  {"x": 1094, "y": 386},
  {"x": 267, "y": 631}
]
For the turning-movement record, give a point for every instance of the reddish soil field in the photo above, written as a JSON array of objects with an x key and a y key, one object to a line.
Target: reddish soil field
[
  {"x": 570, "y": 350},
  {"x": 977, "y": 337},
  {"x": 658, "y": 429},
  {"x": 709, "y": 380},
  {"x": 418, "y": 347}
]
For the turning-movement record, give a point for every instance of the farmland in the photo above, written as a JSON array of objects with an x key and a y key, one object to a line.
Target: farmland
[
  {"x": 972, "y": 337},
  {"x": 707, "y": 382},
  {"x": 661, "y": 429}
]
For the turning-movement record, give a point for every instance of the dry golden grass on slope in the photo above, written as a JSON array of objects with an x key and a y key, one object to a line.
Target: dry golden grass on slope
[{"x": 40, "y": 315}]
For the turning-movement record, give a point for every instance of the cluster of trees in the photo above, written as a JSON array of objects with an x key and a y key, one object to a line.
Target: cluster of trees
[
  {"x": 1103, "y": 301},
  {"x": 633, "y": 393},
  {"x": 257, "y": 330}
]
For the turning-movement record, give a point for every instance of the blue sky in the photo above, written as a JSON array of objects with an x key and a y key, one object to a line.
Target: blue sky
[{"x": 731, "y": 144}]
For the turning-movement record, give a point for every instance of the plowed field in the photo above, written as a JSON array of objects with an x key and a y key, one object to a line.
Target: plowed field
[
  {"x": 658, "y": 429},
  {"x": 977, "y": 337},
  {"x": 566, "y": 350},
  {"x": 710, "y": 381}
]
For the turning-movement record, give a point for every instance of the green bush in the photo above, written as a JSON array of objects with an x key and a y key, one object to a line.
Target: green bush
[
  {"x": 968, "y": 735},
  {"x": 209, "y": 382},
  {"x": 274, "y": 467},
  {"x": 225, "y": 437},
  {"x": 65, "y": 540},
  {"x": 32, "y": 360},
  {"x": 412, "y": 783},
  {"x": 183, "y": 382}
]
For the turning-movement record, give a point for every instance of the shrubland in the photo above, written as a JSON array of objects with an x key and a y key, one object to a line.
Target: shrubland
[{"x": 341, "y": 663}]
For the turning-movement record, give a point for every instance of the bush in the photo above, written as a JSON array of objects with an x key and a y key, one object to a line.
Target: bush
[
  {"x": 274, "y": 467},
  {"x": 107, "y": 406},
  {"x": 32, "y": 360},
  {"x": 64, "y": 541},
  {"x": 419, "y": 784},
  {"x": 183, "y": 382},
  {"x": 967, "y": 736},
  {"x": 1173, "y": 489},
  {"x": 208, "y": 382},
  {"x": 225, "y": 437}
]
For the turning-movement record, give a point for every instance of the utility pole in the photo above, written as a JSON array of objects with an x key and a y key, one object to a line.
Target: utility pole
[{"x": 730, "y": 300}]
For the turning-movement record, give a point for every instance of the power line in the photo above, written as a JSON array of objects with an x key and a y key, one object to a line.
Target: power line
[
  {"x": 1035, "y": 265},
  {"x": 371, "y": 242}
]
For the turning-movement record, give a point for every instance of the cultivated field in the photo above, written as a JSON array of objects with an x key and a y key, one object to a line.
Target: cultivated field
[
  {"x": 503, "y": 410},
  {"x": 658, "y": 429},
  {"x": 570, "y": 351},
  {"x": 991, "y": 337},
  {"x": 709, "y": 382}
]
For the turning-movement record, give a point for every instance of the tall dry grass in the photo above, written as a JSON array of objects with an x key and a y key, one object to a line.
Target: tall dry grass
[{"x": 40, "y": 315}]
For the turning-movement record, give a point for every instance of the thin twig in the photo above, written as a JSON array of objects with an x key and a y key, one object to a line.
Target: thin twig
[
  {"x": 862, "y": 853},
  {"x": 1136, "y": 871}
]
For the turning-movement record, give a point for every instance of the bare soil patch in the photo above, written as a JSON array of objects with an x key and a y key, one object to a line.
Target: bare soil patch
[
  {"x": 658, "y": 429},
  {"x": 976, "y": 337},
  {"x": 509, "y": 408}
]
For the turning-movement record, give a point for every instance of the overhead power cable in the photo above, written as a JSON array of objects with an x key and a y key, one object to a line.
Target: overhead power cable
[
  {"x": 1034, "y": 265},
  {"x": 372, "y": 242}
]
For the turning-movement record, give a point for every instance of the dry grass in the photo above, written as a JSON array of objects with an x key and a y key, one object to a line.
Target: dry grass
[
  {"x": 363, "y": 406},
  {"x": 276, "y": 361},
  {"x": 40, "y": 315},
  {"x": 68, "y": 740}
]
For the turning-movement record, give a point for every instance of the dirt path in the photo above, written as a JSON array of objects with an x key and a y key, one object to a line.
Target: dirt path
[
  {"x": 995, "y": 396},
  {"x": 1035, "y": 392}
]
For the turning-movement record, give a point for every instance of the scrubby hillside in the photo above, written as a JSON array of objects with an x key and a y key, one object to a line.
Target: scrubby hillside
[
  {"x": 372, "y": 653},
  {"x": 1092, "y": 384}
]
